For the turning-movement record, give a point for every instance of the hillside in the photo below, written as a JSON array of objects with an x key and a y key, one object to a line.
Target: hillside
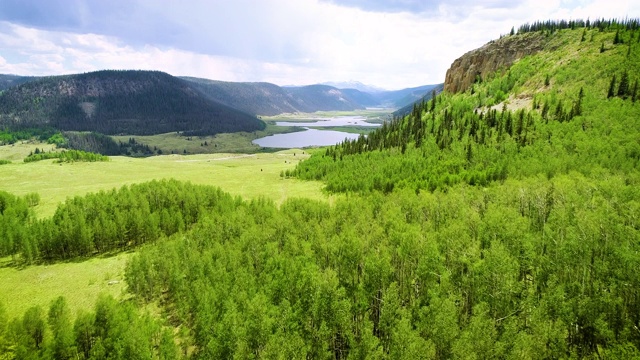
[
  {"x": 404, "y": 97},
  {"x": 313, "y": 98},
  {"x": 405, "y": 110},
  {"x": 119, "y": 102},
  {"x": 357, "y": 85},
  {"x": 252, "y": 98},
  {"x": 269, "y": 99},
  {"x": 548, "y": 103},
  {"x": 524, "y": 175},
  {"x": 7, "y": 81}
]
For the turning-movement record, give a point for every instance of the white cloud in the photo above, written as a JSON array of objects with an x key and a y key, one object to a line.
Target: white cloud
[{"x": 281, "y": 41}]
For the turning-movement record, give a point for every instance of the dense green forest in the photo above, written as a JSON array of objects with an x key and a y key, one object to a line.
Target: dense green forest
[
  {"x": 501, "y": 222},
  {"x": 530, "y": 267},
  {"x": 104, "y": 222}
]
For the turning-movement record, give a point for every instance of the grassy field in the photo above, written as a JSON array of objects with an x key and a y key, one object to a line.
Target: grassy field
[
  {"x": 18, "y": 151},
  {"x": 247, "y": 175},
  {"x": 79, "y": 282}
]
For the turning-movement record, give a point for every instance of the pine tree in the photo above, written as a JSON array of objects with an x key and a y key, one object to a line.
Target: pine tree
[
  {"x": 577, "y": 107},
  {"x": 623, "y": 89},
  {"x": 616, "y": 39},
  {"x": 559, "y": 114},
  {"x": 612, "y": 87},
  {"x": 602, "y": 48},
  {"x": 634, "y": 92},
  {"x": 545, "y": 110}
]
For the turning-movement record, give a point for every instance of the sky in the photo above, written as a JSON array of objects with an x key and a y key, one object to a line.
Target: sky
[{"x": 391, "y": 44}]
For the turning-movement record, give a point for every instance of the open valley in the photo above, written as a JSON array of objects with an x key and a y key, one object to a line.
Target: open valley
[{"x": 160, "y": 214}]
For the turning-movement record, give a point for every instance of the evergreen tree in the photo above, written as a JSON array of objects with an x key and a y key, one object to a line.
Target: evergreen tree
[
  {"x": 623, "y": 88},
  {"x": 60, "y": 323},
  {"x": 612, "y": 87}
]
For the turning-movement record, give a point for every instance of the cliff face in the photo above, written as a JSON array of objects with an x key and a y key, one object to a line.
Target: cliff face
[{"x": 493, "y": 56}]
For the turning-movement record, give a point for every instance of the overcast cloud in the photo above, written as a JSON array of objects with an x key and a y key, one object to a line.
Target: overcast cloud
[{"x": 391, "y": 44}]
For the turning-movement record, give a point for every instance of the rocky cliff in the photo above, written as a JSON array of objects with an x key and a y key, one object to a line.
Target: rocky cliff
[{"x": 495, "y": 55}]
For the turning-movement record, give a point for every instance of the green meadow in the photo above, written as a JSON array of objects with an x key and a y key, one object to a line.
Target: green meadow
[
  {"x": 245, "y": 175},
  {"x": 79, "y": 282}
]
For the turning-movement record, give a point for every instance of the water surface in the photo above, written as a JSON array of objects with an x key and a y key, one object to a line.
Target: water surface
[{"x": 301, "y": 139}]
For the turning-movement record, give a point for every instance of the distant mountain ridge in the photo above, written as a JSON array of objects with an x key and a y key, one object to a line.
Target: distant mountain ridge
[
  {"x": 428, "y": 96},
  {"x": 8, "y": 81},
  {"x": 354, "y": 85},
  {"x": 151, "y": 102},
  {"x": 261, "y": 98},
  {"x": 119, "y": 102}
]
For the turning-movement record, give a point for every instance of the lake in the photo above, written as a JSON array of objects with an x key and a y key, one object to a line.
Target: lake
[
  {"x": 314, "y": 137},
  {"x": 301, "y": 139}
]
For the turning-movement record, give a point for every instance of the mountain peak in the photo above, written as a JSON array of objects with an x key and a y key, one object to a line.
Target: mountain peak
[{"x": 353, "y": 84}]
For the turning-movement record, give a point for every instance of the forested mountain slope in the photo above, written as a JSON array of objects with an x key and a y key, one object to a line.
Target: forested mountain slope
[
  {"x": 7, "y": 81},
  {"x": 407, "y": 109},
  {"x": 253, "y": 98},
  {"x": 269, "y": 99},
  {"x": 119, "y": 102},
  {"x": 406, "y": 97},
  {"x": 570, "y": 107},
  {"x": 323, "y": 98}
]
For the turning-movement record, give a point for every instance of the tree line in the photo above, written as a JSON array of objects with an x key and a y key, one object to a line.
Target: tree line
[
  {"x": 65, "y": 156},
  {"x": 600, "y": 24},
  {"x": 106, "y": 221},
  {"x": 113, "y": 330}
]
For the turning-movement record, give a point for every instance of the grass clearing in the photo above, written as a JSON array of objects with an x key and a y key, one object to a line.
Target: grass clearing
[
  {"x": 79, "y": 282},
  {"x": 20, "y": 150},
  {"x": 247, "y": 175}
]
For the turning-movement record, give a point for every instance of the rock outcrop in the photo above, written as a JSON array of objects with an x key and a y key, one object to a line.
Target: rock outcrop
[{"x": 495, "y": 55}]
